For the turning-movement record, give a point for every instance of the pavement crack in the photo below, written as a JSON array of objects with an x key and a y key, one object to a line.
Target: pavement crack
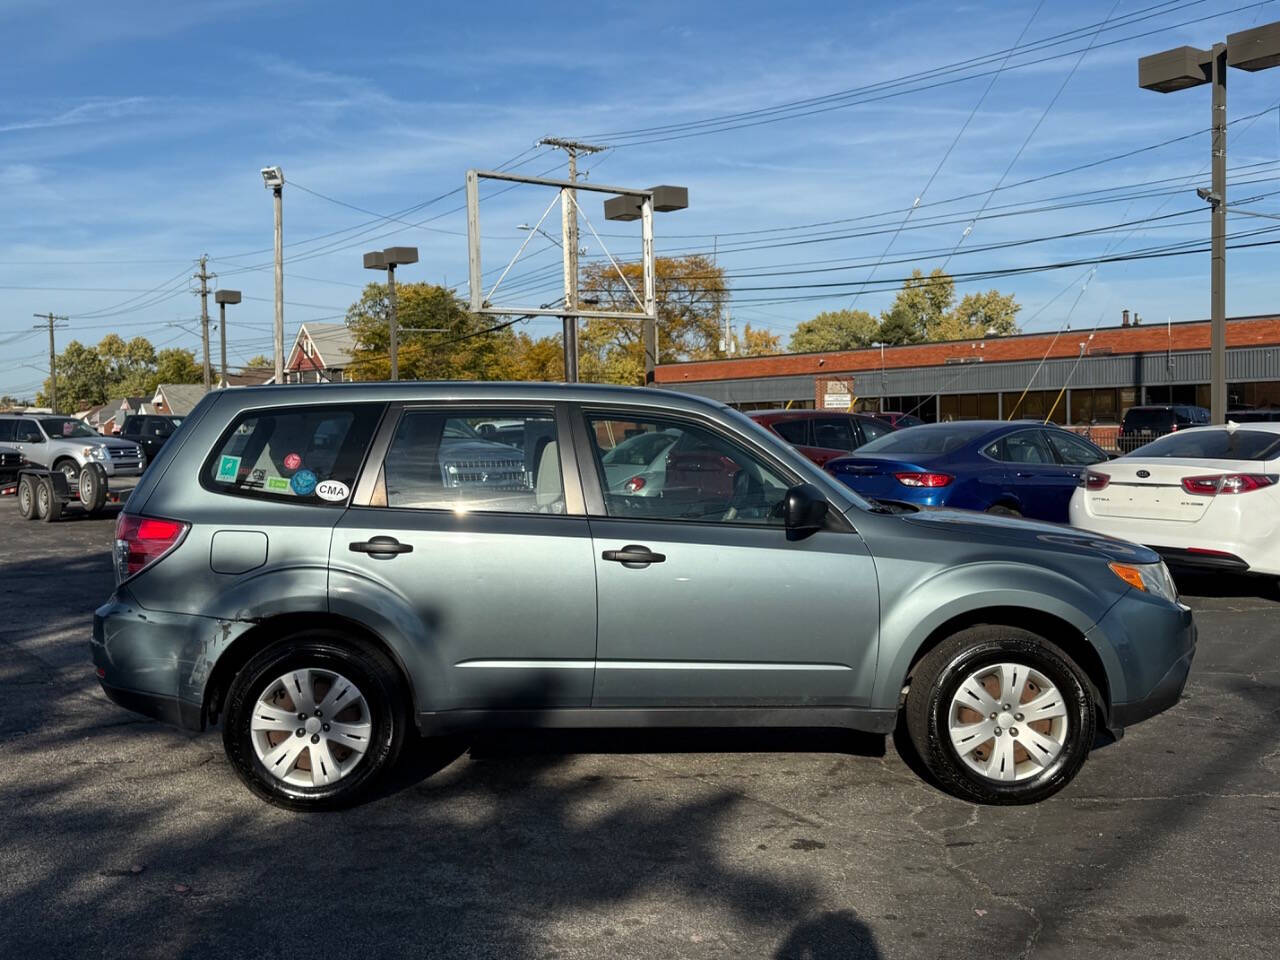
[{"x": 940, "y": 841}]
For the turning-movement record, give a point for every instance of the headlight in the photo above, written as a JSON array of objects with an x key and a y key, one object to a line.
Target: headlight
[
  {"x": 95, "y": 453},
  {"x": 1152, "y": 578}
]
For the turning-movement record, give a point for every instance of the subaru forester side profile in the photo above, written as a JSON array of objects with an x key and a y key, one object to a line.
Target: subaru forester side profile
[{"x": 328, "y": 570}]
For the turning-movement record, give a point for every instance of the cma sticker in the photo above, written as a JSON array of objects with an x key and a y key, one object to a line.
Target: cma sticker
[{"x": 332, "y": 490}]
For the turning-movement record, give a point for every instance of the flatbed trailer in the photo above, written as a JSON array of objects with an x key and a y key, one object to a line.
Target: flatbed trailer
[{"x": 44, "y": 494}]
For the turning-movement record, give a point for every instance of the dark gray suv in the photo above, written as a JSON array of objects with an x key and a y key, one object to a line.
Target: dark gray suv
[{"x": 326, "y": 570}]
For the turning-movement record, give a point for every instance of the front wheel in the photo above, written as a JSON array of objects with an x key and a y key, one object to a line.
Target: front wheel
[
  {"x": 314, "y": 720},
  {"x": 1000, "y": 715}
]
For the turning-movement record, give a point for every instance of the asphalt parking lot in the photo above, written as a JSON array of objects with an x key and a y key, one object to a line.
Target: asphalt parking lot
[{"x": 123, "y": 838}]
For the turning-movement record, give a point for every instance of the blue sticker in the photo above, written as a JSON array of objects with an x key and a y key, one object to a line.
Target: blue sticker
[{"x": 303, "y": 482}]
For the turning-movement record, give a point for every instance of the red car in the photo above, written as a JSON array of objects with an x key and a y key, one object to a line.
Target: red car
[
  {"x": 897, "y": 419},
  {"x": 822, "y": 435}
]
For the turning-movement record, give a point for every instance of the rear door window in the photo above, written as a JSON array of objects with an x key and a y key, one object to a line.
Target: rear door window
[
  {"x": 449, "y": 460},
  {"x": 871, "y": 429},
  {"x": 1025, "y": 446},
  {"x": 307, "y": 454},
  {"x": 834, "y": 433},
  {"x": 793, "y": 431}
]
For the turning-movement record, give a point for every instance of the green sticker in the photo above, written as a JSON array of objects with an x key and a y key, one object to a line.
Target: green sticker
[
  {"x": 278, "y": 484},
  {"x": 228, "y": 469}
]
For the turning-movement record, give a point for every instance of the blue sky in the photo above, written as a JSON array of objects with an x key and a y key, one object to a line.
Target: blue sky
[{"x": 131, "y": 135}]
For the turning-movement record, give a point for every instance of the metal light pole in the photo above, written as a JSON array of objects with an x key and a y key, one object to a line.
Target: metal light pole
[
  {"x": 222, "y": 298},
  {"x": 273, "y": 179},
  {"x": 388, "y": 260},
  {"x": 1183, "y": 67}
]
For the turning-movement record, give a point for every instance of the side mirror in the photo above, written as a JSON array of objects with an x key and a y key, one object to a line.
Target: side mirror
[{"x": 804, "y": 509}]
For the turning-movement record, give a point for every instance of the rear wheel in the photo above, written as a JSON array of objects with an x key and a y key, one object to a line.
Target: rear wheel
[
  {"x": 27, "y": 498},
  {"x": 48, "y": 506},
  {"x": 1000, "y": 715},
  {"x": 313, "y": 721}
]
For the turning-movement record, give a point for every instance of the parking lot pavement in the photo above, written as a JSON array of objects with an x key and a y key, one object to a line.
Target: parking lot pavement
[{"x": 123, "y": 838}]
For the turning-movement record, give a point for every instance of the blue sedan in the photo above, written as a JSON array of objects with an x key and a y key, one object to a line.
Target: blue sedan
[{"x": 1015, "y": 469}]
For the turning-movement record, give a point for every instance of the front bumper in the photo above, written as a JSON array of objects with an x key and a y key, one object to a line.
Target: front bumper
[
  {"x": 122, "y": 468},
  {"x": 1147, "y": 647}
]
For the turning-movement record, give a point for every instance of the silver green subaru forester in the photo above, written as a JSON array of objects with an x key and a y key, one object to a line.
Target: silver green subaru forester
[{"x": 326, "y": 571}]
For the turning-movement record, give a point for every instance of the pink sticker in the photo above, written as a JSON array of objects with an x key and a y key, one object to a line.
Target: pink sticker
[{"x": 292, "y": 461}]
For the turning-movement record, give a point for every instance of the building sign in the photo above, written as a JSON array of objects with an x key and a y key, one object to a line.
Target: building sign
[{"x": 837, "y": 394}]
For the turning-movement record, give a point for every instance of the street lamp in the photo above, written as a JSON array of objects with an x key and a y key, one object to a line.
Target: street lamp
[
  {"x": 273, "y": 180},
  {"x": 1184, "y": 67},
  {"x": 628, "y": 207},
  {"x": 388, "y": 260},
  {"x": 222, "y": 298},
  {"x": 526, "y": 227}
]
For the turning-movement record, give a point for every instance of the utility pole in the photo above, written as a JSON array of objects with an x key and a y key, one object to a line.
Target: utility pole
[
  {"x": 273, "y": 180},
  {"x": 204, "y": 276},
  {"x": 1218, "y": 241},
  {"x": 569, "y": 232},
  {"x": 51, "y": 320}
]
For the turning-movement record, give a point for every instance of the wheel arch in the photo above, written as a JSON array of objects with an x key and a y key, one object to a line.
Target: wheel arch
[
  {"x": 1066, "y": 635},
  {"x": 265, "y": 631}
]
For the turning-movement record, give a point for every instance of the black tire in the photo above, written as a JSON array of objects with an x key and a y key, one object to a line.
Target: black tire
[
  {"x": 938, "y": 676},
  {"x": 1003, "y": 510},
  {"x": 69, "y": 469},
  {"x": 48, "y": 506},
  {"x": 27, "y": 498},
  {"x": 92, "y": 489},
  {"x": 361, "y": 663}
]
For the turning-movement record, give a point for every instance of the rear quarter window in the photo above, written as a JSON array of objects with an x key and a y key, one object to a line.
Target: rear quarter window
[{"x": 303, "y": 454}]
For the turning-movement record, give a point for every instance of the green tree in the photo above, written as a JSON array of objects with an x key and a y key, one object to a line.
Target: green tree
[
  {"x": 129, "y": 366},
  {"x": 978, "y": 315},
  {"x": 460, "y": 346},
  {"x": 897, "y": 327},
  {"x": 174, "y": 365},
  {"x": 835, "y": 330},
  {"x": 922, "y": 302},
  {"x": 82, "y": 379},
  {"x": 690, "y": 296},
  {"x": 261, "y": 360}
]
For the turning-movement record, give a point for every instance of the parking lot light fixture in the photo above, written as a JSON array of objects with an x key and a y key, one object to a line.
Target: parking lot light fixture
[
  {"x": 1177, "y": 69},
  {"x": 388, "y": 260},
  {"x": 222, "y": 298}
]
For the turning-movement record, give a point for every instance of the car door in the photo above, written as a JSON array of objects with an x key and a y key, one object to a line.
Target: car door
[
  {"x": 30, "y": 441},
  {"x": 704, "y": 600},
  {"x": 484, "y": 546},
  {"x": 1041, "y": 485}
]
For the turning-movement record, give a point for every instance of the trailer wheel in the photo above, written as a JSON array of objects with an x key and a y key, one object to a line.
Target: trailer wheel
[
  {"x": 92, "y": 488},
  {"x": 26, "y": 498},
  {"x": 48, "y": 506}
]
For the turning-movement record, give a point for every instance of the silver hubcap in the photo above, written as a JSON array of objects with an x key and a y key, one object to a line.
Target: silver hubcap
[
  {"x": 1007, "y": 722},
  {"x": 310, "y": 728}
]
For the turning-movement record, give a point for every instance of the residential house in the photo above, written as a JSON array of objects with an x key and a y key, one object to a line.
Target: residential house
[
  {"x": 110, "y": 417},
  {"x": 177, "y": 399},
  {"x": 321, "y": 353}
]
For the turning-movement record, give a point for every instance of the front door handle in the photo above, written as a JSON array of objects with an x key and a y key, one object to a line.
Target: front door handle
[
  {"x": 384, "y": 548},
  {"x": 633, "y": 555}
]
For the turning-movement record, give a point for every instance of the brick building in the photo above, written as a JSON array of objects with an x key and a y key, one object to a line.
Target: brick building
[{"x": 1075, "y": 377}]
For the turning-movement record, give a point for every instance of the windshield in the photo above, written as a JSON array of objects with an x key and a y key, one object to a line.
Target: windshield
[
  {"x": 928, "y": 438},
  {"x": 1214, "y": 444},
  {"x": 58, "y": 427}
]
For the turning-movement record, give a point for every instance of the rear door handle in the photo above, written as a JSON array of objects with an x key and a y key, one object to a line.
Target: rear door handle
[
  {"x": 633, "y": 554},
  {"x": 384, "y": 548}
]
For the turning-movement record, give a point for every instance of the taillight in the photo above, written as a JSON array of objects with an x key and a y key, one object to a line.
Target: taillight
[
  {"x": 634, "y": 485},
  {"x": 1092, "y": 480},
  {"x": 1210, "y": 486},
  {"x": 141, "y": 541},
  {"x": 924, "y": 479}
]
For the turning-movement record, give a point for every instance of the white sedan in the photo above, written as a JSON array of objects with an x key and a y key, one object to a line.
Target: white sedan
[{"x": 1205, "y": 497}]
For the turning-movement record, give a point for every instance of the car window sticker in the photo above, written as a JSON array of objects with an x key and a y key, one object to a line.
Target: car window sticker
[
  {"x": 228, "y": 469},
  {"x": 303, "y": 483}
]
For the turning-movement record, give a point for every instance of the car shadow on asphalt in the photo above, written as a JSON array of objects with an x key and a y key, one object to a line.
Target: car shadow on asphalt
[{"x": 1200, "y": 585}]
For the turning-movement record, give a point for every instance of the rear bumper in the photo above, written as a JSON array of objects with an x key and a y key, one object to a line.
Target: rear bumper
[
  {"x": 1187, "y": 558},
  {"x": 179, "y": 713}
]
